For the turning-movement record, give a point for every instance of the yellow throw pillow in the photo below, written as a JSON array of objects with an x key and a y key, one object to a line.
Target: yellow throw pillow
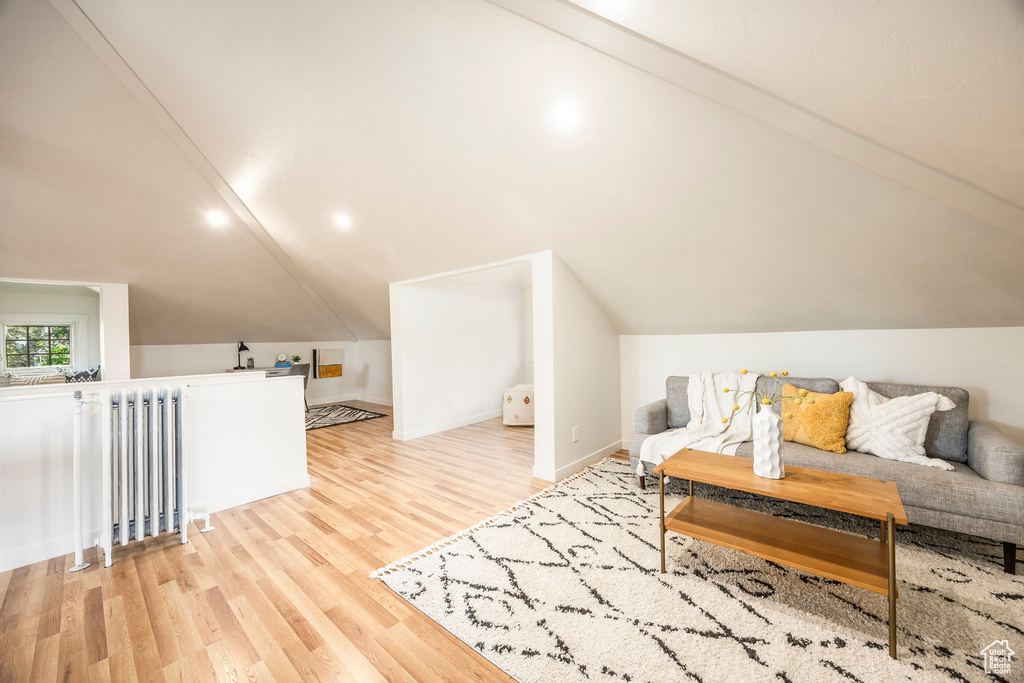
[{"x": 821, "y": 423}]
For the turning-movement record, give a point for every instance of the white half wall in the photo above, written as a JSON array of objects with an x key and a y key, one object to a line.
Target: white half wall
[
  {"x": 366, "y": 365},
  {"x": 985, "y": 361},
  {"x": 456, "y": 349},
  {"x": 584, "y": 366},
  {"x": 245, "y": 441}
]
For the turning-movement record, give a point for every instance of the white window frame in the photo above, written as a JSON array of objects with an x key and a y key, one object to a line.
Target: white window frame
[{"x": 79, "y": 325}]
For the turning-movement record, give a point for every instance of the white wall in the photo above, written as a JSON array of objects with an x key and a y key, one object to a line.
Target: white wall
[
  {"x": 585, "y": 370},
  {"x": 366, "y": 365},
  {"x": 527, "y": 335},
  {"x": 543, "y": 366},
  {"x": 36, "y": 303},
  {"x": 245, "y": 441},
  {"x": 115, "y": 333},
  {"x": 985, "y": 361},
  {"x": 373, "y": 370},
  {"x": 456, "y": 348}
]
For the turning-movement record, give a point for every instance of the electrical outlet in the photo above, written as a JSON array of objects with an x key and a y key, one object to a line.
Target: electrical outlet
[
  {"x": 448, "y": 404},
  {"x": 575, "y": 434}
]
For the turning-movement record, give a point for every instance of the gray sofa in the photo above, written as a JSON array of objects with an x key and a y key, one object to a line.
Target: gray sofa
[{"x": 982, "y": 496}]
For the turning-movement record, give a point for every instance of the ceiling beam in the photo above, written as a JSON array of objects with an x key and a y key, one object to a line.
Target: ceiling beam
[
  {"x": 94, "y": 38},
  {"x": 627, "y": 46}
]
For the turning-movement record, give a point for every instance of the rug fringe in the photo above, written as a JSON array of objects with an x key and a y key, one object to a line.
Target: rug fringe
[{"x": 458, "y": 536}]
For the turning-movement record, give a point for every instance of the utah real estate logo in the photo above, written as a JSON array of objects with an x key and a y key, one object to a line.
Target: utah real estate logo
[{"x": 997, "y": 657}]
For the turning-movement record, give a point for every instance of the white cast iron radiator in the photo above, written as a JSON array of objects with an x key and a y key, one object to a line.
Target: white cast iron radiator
[{"x": 143, "y": 466}]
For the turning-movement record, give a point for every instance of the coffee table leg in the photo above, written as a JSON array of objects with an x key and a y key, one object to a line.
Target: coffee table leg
[
  {"x": 661, "y": 518},
  {"x": 885, "y": 530},
  {"x": 891, "y": 537}
]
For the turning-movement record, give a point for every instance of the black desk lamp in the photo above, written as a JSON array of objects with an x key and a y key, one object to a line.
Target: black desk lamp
[{"x": 241, "y": 347}]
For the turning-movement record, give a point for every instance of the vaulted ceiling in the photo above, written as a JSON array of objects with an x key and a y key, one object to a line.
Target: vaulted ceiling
[{"x": 700, "y": 166}]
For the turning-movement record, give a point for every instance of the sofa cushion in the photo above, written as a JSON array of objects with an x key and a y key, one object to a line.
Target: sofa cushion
[
  {"x": 816, "y": 419},
  {"x": 678, "y": 403},
  {"x": 961, "y": 491},
  {"x": 819, "y": 385},
  {"x": 17, "y": 380},
  {"x": 635, "y": 442},
  {"x": 947, "y": 430},
  {"x": 893, "y": 428}
]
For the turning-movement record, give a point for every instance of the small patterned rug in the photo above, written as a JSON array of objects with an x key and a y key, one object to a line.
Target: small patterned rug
[
  {"x": 566, "y": 587},
  {"x": 326, "y": 416}
]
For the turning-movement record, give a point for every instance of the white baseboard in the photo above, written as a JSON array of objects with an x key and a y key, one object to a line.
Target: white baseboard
[
  {"x": 55, "y": 547},
  {"x": 550, "y": 474},
  {"x": 434, "y": 429},
  {"x": 330, "y": 400},
  {"x": 249, "y": 495}
]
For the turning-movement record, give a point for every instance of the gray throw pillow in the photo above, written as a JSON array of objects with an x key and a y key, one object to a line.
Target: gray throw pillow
[{"x": 90, "y": 375}]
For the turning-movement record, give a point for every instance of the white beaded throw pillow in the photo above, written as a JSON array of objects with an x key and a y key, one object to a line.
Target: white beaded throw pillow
[{"x": 892, "y": 428}]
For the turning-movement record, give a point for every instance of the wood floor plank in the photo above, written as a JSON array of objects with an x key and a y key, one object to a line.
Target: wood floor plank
[
  {"x": 98, "y": 672},
  {"x": 280, "y": 589},
  {"x": 269, "y": 639},
  {"x": 186, "y": 633},
  {"x": 71, "y": 661},
  {"x": 196, "y": 668},
  {"x": 44, "y": 662},
  {"x": 120, "y": 657},
  {"x": 95, "y": 627},
  {"x": 53, "y": 595}
]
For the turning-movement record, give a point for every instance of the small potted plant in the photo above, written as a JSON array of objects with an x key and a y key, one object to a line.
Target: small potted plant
[{"x": 296, "y": 358}]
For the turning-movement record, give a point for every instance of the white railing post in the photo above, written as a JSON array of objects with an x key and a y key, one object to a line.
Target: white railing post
[
  {"x": 183, "y": 463},
  {"x": 106, "y": 439},
  {"x": 76, "y": 439}
]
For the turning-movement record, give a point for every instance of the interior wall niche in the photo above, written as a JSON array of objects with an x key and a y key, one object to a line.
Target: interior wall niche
[
  {"x": 459, "y": 339},
  {"x": 463, "y": 339},
  {"x": 95, "y": 316},
  {"x": 68, "y": 314}
]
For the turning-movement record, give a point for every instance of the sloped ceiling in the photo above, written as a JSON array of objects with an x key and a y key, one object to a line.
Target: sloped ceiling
[
  {"x": 430, "y": 125},
  {"x": 941, "y": 81},
  {"x": 92, "y": 190}
]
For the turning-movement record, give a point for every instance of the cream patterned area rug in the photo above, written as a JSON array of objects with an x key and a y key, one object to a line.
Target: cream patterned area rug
[
  {"x": 566, "y": 587},
  {"x": 328, "y": 416}
]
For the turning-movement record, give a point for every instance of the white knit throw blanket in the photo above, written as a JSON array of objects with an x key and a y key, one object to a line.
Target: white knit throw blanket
[{"x": 705, "y": 431}]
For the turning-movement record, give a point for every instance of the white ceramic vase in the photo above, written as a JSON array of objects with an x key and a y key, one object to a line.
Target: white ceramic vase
[{"x": 768, "y": 444}]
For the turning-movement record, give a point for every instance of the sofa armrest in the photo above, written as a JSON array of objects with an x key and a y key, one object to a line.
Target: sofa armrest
[
  {"x": 652, "y": 418},
  {"x": 994, "y": 455}
]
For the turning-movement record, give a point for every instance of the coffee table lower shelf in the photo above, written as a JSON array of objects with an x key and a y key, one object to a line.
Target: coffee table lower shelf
[
  {"x": 850, "y": 559},
  {"x": 832, "y": 554}
]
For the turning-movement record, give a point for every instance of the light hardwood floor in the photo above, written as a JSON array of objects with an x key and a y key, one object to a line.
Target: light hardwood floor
[{"x": 279, "y": 590}]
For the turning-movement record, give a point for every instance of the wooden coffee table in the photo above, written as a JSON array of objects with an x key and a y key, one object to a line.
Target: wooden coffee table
[{"x": 832, "y": 554}]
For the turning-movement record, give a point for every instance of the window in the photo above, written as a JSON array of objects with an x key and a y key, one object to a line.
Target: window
[{"x": 37, "y": 346}]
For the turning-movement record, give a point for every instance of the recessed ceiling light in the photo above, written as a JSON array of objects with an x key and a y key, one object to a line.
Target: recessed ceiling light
[
  {"x": 247, "y": 185},
  {"x": 565, "y": 115},
  {"x": 217, "y": 219},
  {"x": 342, "y": 220}
]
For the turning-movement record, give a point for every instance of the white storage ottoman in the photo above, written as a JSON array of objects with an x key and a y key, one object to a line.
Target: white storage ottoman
[{"x": 517, "y": 405}]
